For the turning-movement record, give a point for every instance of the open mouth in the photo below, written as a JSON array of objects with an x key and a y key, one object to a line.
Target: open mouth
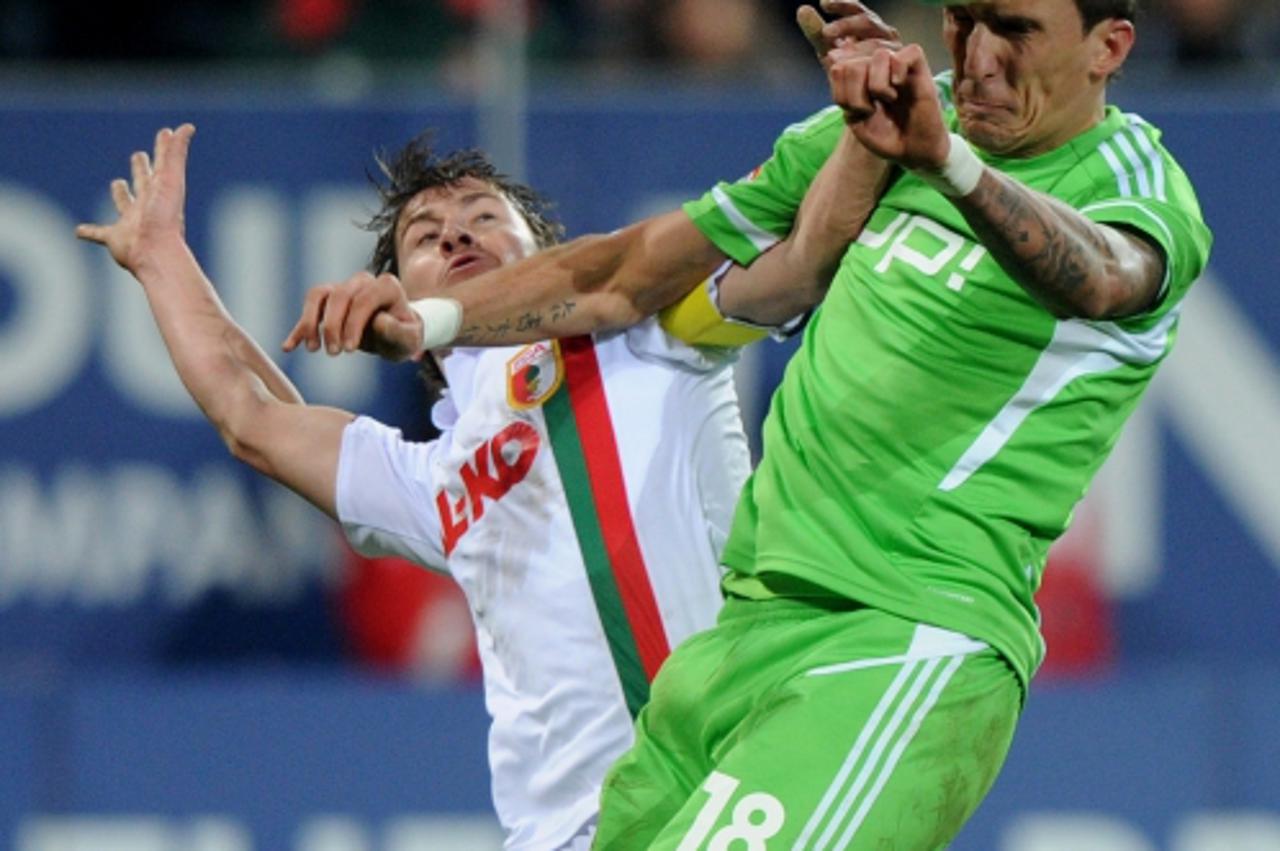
[{"x": 466, "y": 265}]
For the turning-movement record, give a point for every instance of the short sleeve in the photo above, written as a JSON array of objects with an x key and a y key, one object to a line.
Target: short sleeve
[
  {"x": 746, "y": 218},
  {"x": 386, "y": 496},
  {"x": 1143, "y": 189}
]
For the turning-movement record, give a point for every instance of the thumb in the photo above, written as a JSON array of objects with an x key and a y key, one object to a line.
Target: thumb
[
  {"x": 393, "y": 336},
  {"x": 811, "y": 24}
]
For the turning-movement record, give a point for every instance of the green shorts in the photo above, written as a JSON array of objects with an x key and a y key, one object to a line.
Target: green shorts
[{"x": 790, "y": 725}]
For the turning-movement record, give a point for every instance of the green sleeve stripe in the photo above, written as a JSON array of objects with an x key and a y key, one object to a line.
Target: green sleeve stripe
[
  {"x": 1153, "y": 156},
  {"x": 762, "y": 239},
  {"x": 1132, "y": 167},
  {"x": 716, "y": 227},
  {"x": 1134, "y": 159},
  {"x": 1150, "y": 177}
]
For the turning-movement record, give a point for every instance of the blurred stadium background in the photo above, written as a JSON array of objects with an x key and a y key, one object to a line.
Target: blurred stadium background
[{"x": 190, "y": 659}]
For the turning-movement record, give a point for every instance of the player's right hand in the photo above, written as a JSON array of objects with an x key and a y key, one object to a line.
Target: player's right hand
[
  {"x": 365, "y": 312},
  {"x": 891, "y": 104}
]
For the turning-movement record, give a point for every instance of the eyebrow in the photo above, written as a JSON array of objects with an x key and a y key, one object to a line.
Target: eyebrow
[
  {"x": 1018, "y": 22},
  {"x": 1004, "y": 20},
  {"x": 426, "y": 212},
  {"x": 1011, "y": 20}
]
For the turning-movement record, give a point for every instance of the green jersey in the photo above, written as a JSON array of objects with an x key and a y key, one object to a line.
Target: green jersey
[{"x": 937, "y": 426}]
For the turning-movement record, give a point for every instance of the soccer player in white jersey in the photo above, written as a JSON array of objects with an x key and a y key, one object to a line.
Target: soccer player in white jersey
[{"x": 581, "y": 489}]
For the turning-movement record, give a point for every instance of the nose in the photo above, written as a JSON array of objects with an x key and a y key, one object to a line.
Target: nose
[
  {"x": 455, "y": 238},
  {"x": 981, "y": 53}
]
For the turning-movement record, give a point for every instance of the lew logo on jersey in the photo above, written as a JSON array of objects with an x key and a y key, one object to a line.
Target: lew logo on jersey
[
  {"x": 499, "y": 464},
  {"x": 534, "y": 374}
]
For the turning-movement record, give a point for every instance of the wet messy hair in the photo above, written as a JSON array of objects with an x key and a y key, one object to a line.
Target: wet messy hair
[
  {"x": 416, "y": 167},
  {"x": 1093, "y": 12}
]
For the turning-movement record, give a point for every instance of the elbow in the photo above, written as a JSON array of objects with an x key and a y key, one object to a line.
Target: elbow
[
  {"x": 816, "y": 284},
  {"x": 1106, "y": 302},
  {"x": 1090, "y": 309},
  {"x": 240, "y": 425},
  {"x": 614, "y": 310},
  {"x": 241, "y": 447},
  {"x": 1128, "y": 285},
  {"x": 1088, "y": 300},
  {"x": 646, "y": 267}
]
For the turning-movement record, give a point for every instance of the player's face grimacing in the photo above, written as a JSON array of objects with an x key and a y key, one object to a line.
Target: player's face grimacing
[
  {"x": 1028, "y": 77},
  {"x": 451, "y": 233}
]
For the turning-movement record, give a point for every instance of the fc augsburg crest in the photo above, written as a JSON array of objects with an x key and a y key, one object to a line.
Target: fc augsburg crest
[{"x": 534, "y": 374}]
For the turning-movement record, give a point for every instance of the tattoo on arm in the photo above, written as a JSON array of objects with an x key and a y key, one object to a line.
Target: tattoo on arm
[
  {"x": 1021, "y": 237},
  {"x": 1062, "y": 259},
  {"x": 499, "y": 332},
  {"x": 561, "y": 311}
]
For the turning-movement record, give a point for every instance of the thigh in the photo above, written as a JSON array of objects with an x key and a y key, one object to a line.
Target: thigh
[
  {"x": 893, "y": 755},
  {"x": 652, "y": 781}
]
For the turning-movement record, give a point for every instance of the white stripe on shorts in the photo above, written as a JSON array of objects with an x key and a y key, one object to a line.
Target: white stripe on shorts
[{"x": 889, "y": 730}]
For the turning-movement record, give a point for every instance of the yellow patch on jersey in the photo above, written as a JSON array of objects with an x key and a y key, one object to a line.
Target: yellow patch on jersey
[
  {"x": 533, "y": 374},
  {"x": 696, "y": 320}
]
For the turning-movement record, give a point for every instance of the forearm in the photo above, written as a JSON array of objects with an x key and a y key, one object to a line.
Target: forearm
[
  {"x": 591, "y": 284},
  {"x": 225, "y": 372},
  {"x": 258, "y": 412},
  {"x": 794, "y": 275},
  {"x": 1073, "y": 266}
]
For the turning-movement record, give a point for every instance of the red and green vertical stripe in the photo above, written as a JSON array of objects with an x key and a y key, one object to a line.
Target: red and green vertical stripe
[{"x": 586, "y": 452}]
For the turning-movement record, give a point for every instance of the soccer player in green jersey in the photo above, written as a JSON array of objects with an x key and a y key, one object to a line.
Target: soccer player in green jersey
[{"x": 996, "y": 318}]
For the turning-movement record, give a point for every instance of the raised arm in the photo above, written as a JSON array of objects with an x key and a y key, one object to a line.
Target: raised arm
[
  {"x": 591, "y": 284},
  {"x": 793, "y": 276},
  {"x": 256, "y": 409},
  {"x": 597, "y": 283},
  {"x": 623, "y": 277},
  {"x": 1073, "y": 266}
]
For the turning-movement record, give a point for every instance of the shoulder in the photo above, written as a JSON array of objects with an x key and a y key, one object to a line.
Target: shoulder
[
  {"x": 818, "y": 124},
  {"x": 1130, "y": 160}
]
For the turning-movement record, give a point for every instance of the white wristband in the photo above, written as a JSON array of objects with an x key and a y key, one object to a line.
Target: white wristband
[
  {"x": 960, "y": 173},
  {"x": 441, "y": 319}
]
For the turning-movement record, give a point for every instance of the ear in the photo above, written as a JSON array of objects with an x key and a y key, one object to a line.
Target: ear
[{"x": 1111, "y": 39}]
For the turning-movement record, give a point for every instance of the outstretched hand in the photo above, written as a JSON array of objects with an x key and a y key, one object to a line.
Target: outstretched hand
[
  {"x": 150, "y": 211},
  {"x": 363, "y": 312}
]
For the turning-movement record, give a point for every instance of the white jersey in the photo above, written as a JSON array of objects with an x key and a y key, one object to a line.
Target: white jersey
[{"x": 580, "y": 493}]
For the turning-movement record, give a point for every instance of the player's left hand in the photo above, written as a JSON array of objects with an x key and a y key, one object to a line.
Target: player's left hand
[
  {"x": 891, "y": 104},
  {"x": 365, "y": 312},
  {"x": 150, "y": 211}
]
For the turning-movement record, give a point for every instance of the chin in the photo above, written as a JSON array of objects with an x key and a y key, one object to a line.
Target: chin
[{"x": 989, "y": 137}]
